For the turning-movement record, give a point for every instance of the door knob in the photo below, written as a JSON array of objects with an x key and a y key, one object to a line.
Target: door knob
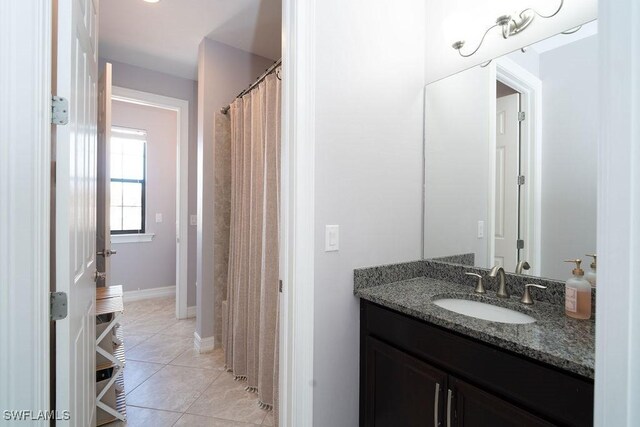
[{"x": 107, "y": 253}]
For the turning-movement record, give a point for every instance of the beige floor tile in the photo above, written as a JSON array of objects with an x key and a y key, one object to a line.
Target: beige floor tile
[
  {"x": 159, "y": 349},
  {"x": 184, "y": 328},
  {"x": 151, "y": 323},
  {"x": 173, "y": 388},
  {"x": 268, "y": 420},
  {"x": 190, "y": 420},
  {"x": 191, "y": 357},
  {"x": 137, "y": 310},
  {"x": 145, "y": 417},
  {"x": 227, "y": 399},
  {"x": 132, "y": 339},
  {"x": 151, "y": 304},
  {"x": 135, "y": 373}
]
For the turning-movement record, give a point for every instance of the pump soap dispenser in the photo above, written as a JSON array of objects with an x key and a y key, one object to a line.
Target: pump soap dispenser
[
  {"x": 591, "y": 274},
  {"x": 577, "y": 294}
]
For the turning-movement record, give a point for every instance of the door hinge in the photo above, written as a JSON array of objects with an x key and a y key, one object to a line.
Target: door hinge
[
  {"x": 521, "y": 116},
  {"x": 280, "y": 285},
  {"x": 59, "y": 110},
  {"x": 520, "y": 179},
  {"x": 57, "y": 306},
  {"x": 519, "y": 244}
]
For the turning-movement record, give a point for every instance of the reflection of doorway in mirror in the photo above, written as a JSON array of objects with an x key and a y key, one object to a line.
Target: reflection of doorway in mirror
[
  {"x": 525, "y": 182},
  {"x": 507, "y": 196}
]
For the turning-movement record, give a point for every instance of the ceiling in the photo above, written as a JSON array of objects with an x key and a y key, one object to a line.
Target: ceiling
[{"x": 165, "y": 36}]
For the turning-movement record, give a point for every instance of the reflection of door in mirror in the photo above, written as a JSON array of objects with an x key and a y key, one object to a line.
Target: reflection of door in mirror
[{"x": 507, "y": 171}]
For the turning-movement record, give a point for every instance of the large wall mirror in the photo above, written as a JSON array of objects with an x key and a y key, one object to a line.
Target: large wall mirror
[{"x": 510, "y": 158}]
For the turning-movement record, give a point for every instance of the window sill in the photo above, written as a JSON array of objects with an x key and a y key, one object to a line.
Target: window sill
[{"x": 132, "y": 238}]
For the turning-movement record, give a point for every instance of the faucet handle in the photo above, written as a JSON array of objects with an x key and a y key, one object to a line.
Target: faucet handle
[
  {"x": 526, "y": 297},
  {"x": 479, "y": 285}
]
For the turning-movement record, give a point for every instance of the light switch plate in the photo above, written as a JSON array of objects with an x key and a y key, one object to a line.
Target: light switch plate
[
  {"x": 193, "y": 219},
  {"x": 480, "y": 229},
  {"x": 332, "y": 238},
  {"x": 158, "y": 217}
]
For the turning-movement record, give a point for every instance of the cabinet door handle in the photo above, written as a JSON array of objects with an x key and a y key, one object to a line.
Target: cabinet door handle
[
  {"x": 449, "y": 397},
  {"x": 436, "y": 401}
]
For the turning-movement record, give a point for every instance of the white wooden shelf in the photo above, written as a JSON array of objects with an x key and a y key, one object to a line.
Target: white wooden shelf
[{"x": 109, "y": 300}]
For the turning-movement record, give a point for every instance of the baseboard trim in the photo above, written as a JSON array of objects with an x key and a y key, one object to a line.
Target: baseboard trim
[
  {"x": 143, "y": 294},
  {"x": 203, "y": 345},
  {"x": 191, "y": 312}
]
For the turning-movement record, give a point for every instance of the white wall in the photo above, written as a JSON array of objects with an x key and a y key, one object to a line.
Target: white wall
[
  {"x": 132, "y": 77},
  {"x": 223, "y": 72},
  {"x": 569, "y": 154},
  {"x": 449, "y": 21},
  {"x": 151, "y": 264},
  {"x": 457, "y": 134},
  {"x": 369, "y": 80}
]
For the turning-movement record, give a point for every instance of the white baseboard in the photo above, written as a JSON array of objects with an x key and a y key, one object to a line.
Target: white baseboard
[
  {"x": 203, "y": 345},
  {"x": 191, "y": 312},
  {"x": 141, "y": 294}
]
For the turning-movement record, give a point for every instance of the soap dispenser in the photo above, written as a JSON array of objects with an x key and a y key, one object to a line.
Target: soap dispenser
[
  {"x": 591, "y": 274},
  {"x": 577, "y": 294}
]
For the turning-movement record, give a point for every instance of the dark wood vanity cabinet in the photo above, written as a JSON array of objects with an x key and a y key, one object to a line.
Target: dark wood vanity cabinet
[
  {"x": 474, "y": 407},
  {"x": 416, "y": 374},
  {"x": 406, "y": 391}
]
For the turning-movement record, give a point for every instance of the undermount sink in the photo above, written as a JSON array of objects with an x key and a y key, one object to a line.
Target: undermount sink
[{"x": 484, "y": 311}]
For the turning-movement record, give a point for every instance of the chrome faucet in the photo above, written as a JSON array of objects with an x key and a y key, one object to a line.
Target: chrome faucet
[
  {"x": 522, "y": 265},
  {"x": 502, "y": 286}
]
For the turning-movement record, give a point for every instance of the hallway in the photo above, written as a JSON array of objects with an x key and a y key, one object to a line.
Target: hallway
[{"x": 168, "y": 383}]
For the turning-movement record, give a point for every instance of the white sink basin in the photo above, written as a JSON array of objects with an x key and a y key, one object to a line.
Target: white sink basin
[{"x": 481, "y": 310}]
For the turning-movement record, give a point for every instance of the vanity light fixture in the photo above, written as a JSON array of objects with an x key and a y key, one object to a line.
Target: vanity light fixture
[
  {"x": 151, "y": 1},
  {"x": 510, "y": 25}
]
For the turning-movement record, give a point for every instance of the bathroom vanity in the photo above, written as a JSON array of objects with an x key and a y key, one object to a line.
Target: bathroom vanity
[
  {"x": 510, "y": 150},
  {"x": 421, "y": 364}
]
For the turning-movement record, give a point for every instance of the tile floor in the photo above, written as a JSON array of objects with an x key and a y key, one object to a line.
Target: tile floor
[{"x": 169, "y": 384}]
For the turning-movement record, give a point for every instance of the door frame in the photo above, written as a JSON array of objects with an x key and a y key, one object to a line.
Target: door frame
[
  {"x": 530, "y": 89},
  {"x": 297, "y": 219},
  {"x": 181, "y": 108},
  {"x": 617, "y": 371},
  {"x": 25, "y": 204}
]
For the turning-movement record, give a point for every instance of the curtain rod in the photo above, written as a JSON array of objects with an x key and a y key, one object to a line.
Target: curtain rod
[{"x": 269, "y": 70}]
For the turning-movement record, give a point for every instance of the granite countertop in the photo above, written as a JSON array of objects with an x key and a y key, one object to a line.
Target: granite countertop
[{"x": 554, "y": 338}]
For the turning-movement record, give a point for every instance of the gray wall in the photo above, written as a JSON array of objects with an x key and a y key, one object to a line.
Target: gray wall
[
  {"x": 151, "y": 264},
  {"x": 223, "y": 72},
  {"x": 368, "y": 174},
  {"x": 569, "y": 154},
  {"x": 131, "y": 77}
]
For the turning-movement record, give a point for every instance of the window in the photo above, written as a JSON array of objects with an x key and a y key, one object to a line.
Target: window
[{"x": 128, "y": 173}]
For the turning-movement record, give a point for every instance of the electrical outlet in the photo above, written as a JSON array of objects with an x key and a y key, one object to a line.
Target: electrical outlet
[
  {"x": 158, "y": 217},
  {"x": 193, "y": 219}
]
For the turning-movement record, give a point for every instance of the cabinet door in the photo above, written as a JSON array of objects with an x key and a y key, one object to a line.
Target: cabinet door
[
  {"x": 469, "y": 406},
  {"x": 401, "y": 390}
]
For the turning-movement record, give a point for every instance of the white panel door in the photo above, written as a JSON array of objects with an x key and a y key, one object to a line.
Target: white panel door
[
  {"x": 103, "y": 237},
  {"x": 507, "y": 147},
  {"x": 75, "y": 224}
]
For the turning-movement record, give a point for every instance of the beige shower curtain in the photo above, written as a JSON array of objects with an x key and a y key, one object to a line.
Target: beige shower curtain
[{"x": 251, "y": 310}]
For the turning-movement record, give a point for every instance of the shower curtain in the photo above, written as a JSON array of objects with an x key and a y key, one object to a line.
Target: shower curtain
[{"x": 251, "y": 310}]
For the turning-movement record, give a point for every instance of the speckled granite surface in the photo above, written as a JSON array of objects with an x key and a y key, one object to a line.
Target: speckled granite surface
[
  {"x": 555, "y": 339},
  {"x": 464, "y": 259}
]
